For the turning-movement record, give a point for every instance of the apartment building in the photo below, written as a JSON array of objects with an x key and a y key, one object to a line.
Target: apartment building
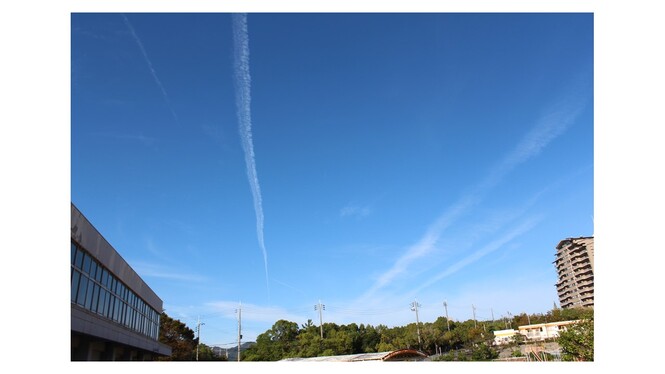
[{"x": 574, "y": 266}]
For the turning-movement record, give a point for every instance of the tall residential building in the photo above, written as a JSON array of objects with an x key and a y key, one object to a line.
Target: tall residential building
[
  {"x": 574, "y": 265},
  {"x": 114, "y": 313}
]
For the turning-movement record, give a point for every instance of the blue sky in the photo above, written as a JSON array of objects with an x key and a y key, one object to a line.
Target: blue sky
[
  {"x": 364, "y": 160},
  {"x": 40, "y": 137}
]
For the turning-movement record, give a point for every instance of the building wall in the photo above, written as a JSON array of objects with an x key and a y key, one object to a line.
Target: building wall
[
  {"x": 504, "y": 336},
  {"x": 575, "y": 268},
  {"x": 114, "y": 314},
  {"x": 543, "y": 331}
]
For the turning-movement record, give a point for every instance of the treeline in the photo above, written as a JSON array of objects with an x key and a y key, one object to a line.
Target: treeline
[
  {"x": 460, "y": 341},
  {"x": 454, "y": 341},
  {"x": 183, "y": 342}
]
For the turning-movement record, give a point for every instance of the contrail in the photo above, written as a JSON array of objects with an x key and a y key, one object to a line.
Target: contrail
[
  {"x": 243, "y": 99},
  {"x": 549, "y": 126},
  {"x": 152, "y": 70}
]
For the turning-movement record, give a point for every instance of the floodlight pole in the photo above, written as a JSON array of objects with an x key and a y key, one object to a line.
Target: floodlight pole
[
  {"x": 445, "y": 306},
  {"x": 414, "y": 307},
  {"x": 239, "y": 310},
  {"x": 198, "y": 336},
  {"x": 320, "y": 308}
]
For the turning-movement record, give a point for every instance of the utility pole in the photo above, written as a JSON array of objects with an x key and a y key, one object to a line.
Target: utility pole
[
  {"x": 445, "y": 306},
  {"x": 239, "y": 311},
  {"x": 198, "y": 336},
  {"x": 320, "y": 308},
  {"x": 475, "y": 323},
  {"x": 492, "y": 311},
  {"x": 414, "y": 307},
  {"x": 510, "y": 319}
]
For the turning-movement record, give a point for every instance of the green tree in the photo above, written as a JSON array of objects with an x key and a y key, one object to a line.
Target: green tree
[
  {"x": 577, "y": 341},
  {"x": 309, "y": 343},
  {"x": 206, "y": 354},
  {"x": 483, "y": 352},
  {"x": 369, "y": 337},
  {"x": 179, "y": 337},
  {"x": 275, "y": 344}
]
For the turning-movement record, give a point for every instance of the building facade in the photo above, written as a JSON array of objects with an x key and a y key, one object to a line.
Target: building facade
[
  {"x": 544, "y": 331},
  {"x": 114, "y": 313},
  {"x": 574, "y": 266},
  {"x": 536, "y": 332}
]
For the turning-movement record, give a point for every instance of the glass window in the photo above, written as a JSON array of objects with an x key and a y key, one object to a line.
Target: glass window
[
  {"x": 112, "y": 284},
  {"x": 102, "y": 301},
  {"x": 79, "y": 259},
  {"x": 125, "y": 314},
  {"x": 116, "y": 309},
  {"x": 80, "y": 297},
  {"x": 95, "y": 298},
  {"x": 130, "y": 316},
  {"x": 105, "y": 278},
  {"x": 107, "y": 304},
  {"x": 75, "y": 284},
  {"x": 73, "y": 252},
  {"x": 93, "y": 269},
  {"x": 86, "y": 263},
  {"x": 98, "y": 276},
  {"x": 88, "y": 297}
]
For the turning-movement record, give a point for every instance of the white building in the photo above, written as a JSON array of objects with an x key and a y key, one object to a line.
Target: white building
[
  {"x": 544, "y": 331},
  {"x": 537, "y": 332}
]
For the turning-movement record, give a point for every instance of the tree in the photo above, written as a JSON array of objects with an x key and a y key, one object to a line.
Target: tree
[
  {"x": 483, "y": 352},
  {"x": 179, "y": 337},
  {"x": 577, "y": 341},
  {"x": 275, "y": 344},
  {"x": 206, "y": 354}
]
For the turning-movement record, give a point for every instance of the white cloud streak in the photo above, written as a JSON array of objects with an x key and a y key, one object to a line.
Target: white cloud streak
[
  {"x": 355, "y": 211},
  {"x": 491, "y": 247},
  {"x": 243, "y": 111},
  {"x": 150, "y": 270},
  {"x": 547, "y": 128},
  {"x": 252, "y": 312},
  {"x": 152, "y": 69}
]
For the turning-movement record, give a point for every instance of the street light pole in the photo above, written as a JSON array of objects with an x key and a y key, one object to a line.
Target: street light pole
[
  {"x": 198, "y": 336},
  {"x": 414, "y": 307}
]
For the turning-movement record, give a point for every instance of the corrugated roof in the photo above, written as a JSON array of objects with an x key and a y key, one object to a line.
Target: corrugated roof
[{"x": 398, "y": 355}]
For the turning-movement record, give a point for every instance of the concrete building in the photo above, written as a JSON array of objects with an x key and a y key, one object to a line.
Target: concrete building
[
  {"x": 544, "y": 331},
  {"x": 504, "y": 336},
  {"x": 574, "y": 265},
  {"x": 535, "y": 332},
  {"x": 114, "y": 313}
]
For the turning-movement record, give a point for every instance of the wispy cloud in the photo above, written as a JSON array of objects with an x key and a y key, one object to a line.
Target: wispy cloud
[
  {"x": 150, "y": 270},
  {"x": 484, "y": 251},
  {"x": 145, "y": 140},
  {"x": 352, "y": 210},
  {"x": 243, "y": 109},
  {"x": 253, "y": 312},
  {"x": 551, "y": 125},
  {"x": 152, "y": 69}
]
